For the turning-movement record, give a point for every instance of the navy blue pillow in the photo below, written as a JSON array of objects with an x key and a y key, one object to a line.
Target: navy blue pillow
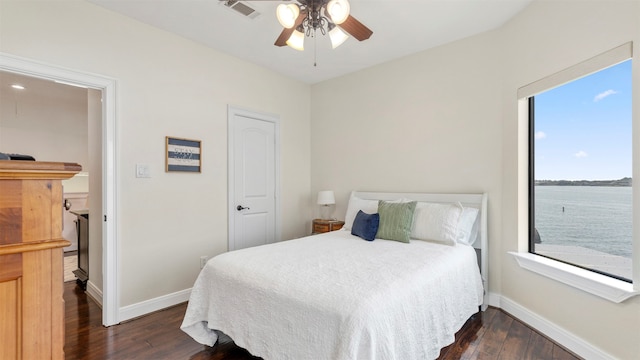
[{"x": 365, "y": 225}]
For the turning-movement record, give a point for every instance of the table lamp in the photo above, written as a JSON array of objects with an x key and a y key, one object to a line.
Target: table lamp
[{"x": 325, "y": 200}]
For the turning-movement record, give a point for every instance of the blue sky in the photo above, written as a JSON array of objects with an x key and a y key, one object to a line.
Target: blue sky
[{"x": 583, "y": 128}]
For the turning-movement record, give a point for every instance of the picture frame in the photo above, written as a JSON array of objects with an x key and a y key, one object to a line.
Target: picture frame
[{"x": 183, "y": 155}]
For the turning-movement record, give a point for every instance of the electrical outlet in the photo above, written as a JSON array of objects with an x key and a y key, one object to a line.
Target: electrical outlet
[{"x": 203, "y": 261}]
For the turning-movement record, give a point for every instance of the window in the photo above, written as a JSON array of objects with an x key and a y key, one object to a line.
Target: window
[{"x": 580, "y": 186}]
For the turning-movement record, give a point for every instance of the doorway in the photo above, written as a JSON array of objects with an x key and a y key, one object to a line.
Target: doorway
[
  {"x": 108, "y": 216},
  {"x": 254, "y": 180}
]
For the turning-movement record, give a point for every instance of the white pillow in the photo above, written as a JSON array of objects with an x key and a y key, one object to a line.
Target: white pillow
[
  {"x": 436, "y": 222},
  {"x": 356, "y": 204},
  {"x": 468, "y": 226}
]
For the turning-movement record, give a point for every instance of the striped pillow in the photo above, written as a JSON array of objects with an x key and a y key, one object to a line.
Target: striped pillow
[{"x": 395, "y": 220}]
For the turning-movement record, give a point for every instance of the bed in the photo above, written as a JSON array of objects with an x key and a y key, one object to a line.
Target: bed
[{"x": 338, "y": 296}]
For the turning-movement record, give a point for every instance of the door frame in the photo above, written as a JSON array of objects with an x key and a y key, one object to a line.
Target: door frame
[
  {"x": 232, "y": 111},
  {"x": 29, "y": 67}
]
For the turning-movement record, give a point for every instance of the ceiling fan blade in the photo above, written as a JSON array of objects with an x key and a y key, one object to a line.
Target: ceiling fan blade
[
  {"x": 284, "y": 36},
  {"x": 286, "y": 33},
  {"x": 356, "y": 29}
]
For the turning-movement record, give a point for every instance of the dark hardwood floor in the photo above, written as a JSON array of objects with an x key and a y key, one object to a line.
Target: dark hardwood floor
[{"x": 492, "y": 334}]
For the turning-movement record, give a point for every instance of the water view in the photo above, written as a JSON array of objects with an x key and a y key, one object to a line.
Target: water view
[
  {"x": 586, "y": 223},
  {"x": 595, "y": 217}
]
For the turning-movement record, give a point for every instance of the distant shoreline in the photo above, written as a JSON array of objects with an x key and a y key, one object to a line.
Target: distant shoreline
[{"x": 621, "y": 182}]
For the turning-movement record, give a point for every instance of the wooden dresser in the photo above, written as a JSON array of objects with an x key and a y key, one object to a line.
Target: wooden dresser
[{"x": 31, "y": 263}]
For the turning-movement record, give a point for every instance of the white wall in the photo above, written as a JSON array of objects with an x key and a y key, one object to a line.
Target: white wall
[
  {"x": 426, "y": 123},
  {"x": 445, "y": 120},
  {"x": 167, "y": 85}
]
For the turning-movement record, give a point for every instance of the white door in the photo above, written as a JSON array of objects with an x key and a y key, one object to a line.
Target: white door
[{"x": 252, "y": 179}]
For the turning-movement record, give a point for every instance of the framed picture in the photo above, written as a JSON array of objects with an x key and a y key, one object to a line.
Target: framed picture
[{"x": 183, "y": 155}]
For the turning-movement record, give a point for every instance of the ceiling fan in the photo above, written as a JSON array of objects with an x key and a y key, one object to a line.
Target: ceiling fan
[{"x": 304, "y": 18}]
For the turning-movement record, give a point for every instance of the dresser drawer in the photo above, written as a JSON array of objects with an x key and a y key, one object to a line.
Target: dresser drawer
[{"x": 323, "y": 226}]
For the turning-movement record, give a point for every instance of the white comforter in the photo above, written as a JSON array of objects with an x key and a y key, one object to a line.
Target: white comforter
[{"x": 335, "y": 296}]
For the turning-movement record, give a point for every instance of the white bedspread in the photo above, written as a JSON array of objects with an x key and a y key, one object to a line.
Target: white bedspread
[{"x": 335, "y": 296}]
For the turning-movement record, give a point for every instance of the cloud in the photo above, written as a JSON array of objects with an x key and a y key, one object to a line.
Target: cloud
[
  {"x": 603, "y": 95},
  {"x": 581, "y": 154},
  {"x": 540, "y": 135}
]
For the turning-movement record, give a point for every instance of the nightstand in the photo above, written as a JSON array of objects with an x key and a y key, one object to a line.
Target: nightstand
[{"x": 322, "y": 226}]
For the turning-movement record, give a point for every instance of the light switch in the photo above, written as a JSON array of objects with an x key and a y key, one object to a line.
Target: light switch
[{"x": 142, "y": 171}]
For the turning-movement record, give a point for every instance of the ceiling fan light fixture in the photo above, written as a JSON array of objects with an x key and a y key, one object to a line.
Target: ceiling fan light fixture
[
  {"x": 312, "y": 18},
  {"x": 337, "y": 37},
  {"x": 287, "y": 14},
  {"x": 296, "y": 40},
  {"x": 338, "y": 10}
]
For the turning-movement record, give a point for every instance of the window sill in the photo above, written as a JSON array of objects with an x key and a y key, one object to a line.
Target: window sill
[{"x": 603, "y": 286}]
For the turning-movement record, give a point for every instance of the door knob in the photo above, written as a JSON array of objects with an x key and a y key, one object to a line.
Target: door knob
[
  {"x": 67, "y": 204},
  {"x": 240, "y": 208}
]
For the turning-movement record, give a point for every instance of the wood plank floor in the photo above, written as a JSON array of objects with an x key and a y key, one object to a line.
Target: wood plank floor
[{"x": 492, "y": 334}]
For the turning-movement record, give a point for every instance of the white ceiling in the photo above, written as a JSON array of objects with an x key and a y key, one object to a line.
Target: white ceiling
[
  {"x": 400, "y": 28},
  {"x": 43, "y": 89}
]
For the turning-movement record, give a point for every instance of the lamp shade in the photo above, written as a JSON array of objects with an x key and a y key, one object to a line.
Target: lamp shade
[
  {"x": 287, "y": 14},
  {"x": 326, "y": 197},
  {"x": 337, "y": 37},
  {"x": 338, "y": 10},
  {"x": 296, "y": 40}
]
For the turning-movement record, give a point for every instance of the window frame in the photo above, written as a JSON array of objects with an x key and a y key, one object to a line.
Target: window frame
[
  {"x": 604, "y": 286},
  {"x": 531, "y": 114},
  {"x": 532, "y": 191}
]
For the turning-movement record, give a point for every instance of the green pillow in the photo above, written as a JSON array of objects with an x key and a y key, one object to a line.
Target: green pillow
[{"x": 395, "y": 220}]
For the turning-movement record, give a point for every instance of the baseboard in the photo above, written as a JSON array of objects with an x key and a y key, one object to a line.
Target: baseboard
[
  {"x": 494, "y": 299},
  {"x": 148, "y": 306},
  {"x": 95, "y": 293},
  {"x": 553, "y": 331}
]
